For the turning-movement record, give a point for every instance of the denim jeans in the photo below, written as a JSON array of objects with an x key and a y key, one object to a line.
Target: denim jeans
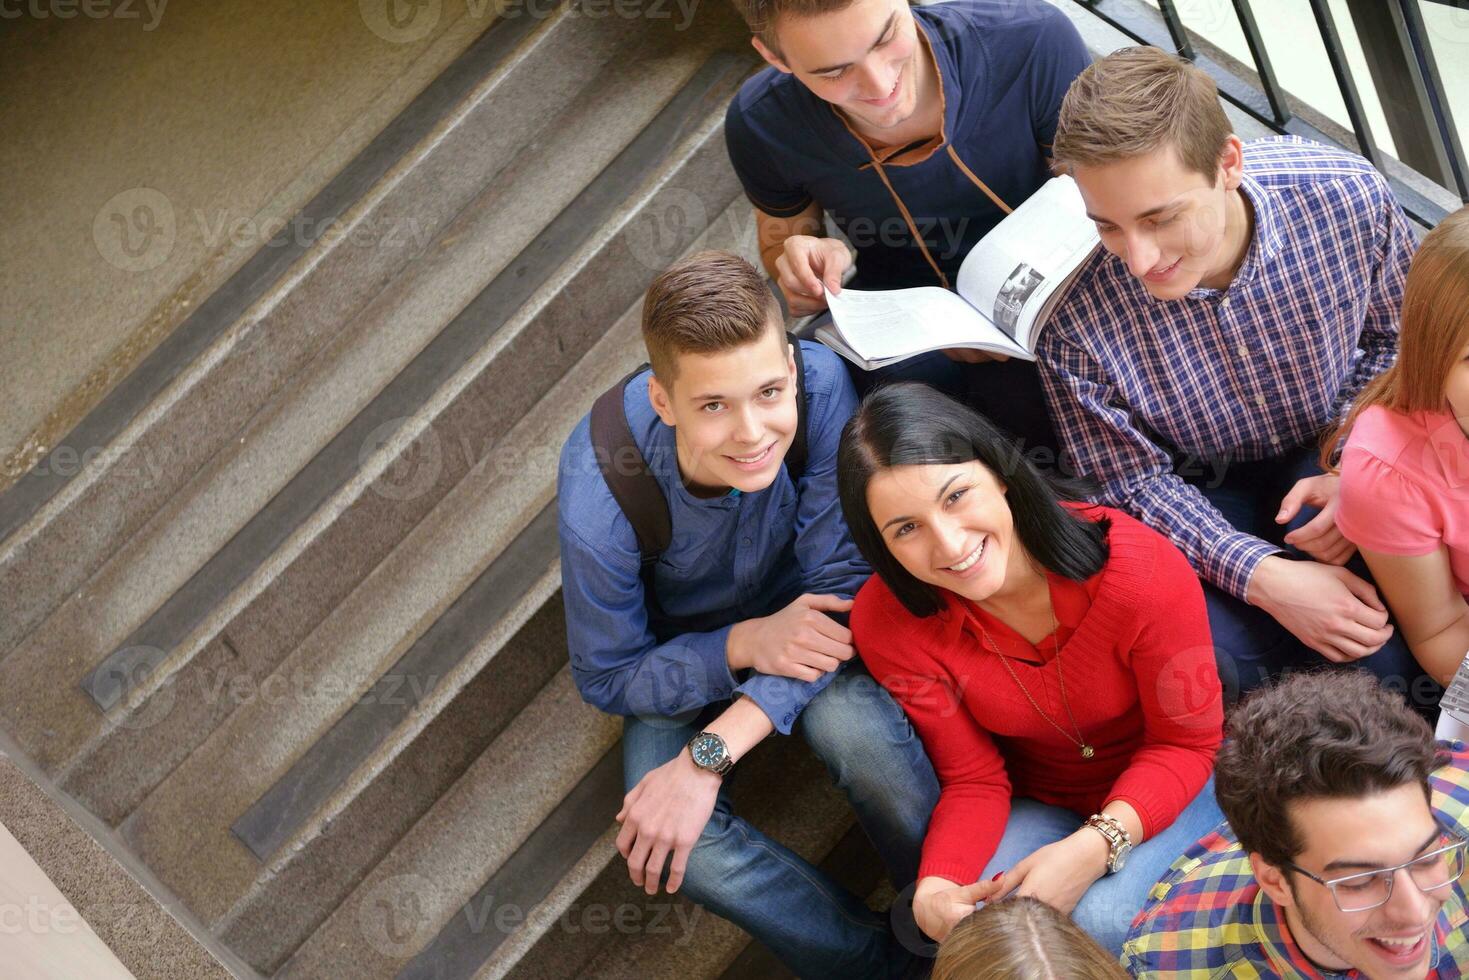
[
  {"x": 814, "y": 926},
  {"x": 1107, "y": 909},
  {"x": 1250, "y": 646}
]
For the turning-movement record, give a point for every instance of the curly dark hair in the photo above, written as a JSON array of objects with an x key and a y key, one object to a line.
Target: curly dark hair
[{"x": 1318, "y": 735}]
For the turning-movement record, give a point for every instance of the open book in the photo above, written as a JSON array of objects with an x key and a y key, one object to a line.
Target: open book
[{"x": 1007, "y": 286}]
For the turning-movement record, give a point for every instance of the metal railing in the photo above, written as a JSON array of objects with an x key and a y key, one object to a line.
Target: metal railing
[{"x": 1400, "y": 57}]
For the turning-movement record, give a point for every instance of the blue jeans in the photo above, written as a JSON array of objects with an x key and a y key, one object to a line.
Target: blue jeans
[
  {"x": 813, "y": 925},
  {"x": 1107, "y": 909},
  {"x": 1250, "y": 646}
]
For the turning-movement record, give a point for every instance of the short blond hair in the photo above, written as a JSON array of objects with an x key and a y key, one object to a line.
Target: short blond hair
[
  {"x": 710, "y": 302},
  {"x": 1135, "y": 100}
]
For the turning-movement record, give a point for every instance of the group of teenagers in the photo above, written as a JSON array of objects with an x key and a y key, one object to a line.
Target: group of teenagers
[{"x": 1257, "y": 392}]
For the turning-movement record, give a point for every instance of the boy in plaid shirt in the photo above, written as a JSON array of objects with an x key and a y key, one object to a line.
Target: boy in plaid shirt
[{"x": 1343, "y": 853}]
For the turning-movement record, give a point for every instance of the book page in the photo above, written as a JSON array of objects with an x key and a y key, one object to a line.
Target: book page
[
  {"x": 1027, "y": 257},
  {"x": 883, "y": 324}
]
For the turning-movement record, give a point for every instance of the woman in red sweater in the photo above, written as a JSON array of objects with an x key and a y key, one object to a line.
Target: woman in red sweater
[{"x": 1053, "y": 656}]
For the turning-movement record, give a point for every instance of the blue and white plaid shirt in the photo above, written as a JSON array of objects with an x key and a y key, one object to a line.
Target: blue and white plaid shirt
[{"x": 1246, "y": 373}]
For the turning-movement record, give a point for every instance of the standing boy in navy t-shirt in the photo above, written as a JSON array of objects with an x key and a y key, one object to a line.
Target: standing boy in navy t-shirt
[{"x": 916, "y": 130}]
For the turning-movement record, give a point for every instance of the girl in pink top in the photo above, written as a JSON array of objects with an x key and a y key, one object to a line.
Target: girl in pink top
[{"x": 1404, "y": 497}]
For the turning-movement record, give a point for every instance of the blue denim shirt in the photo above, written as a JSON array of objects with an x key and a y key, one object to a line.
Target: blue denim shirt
[{"x": 731, "y": 558}]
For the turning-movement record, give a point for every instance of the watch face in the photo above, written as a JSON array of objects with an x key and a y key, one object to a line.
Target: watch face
[
  {"x": 707, "y": 751},
  {"x": 1121, "y": 858}
]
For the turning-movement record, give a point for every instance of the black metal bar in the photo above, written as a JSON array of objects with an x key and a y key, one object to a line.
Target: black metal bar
[
  {"x": 1432, "y": 81},
  {"x": 1176, "y": 30},
  {"x": 1279, "y": 105},
  {"x": 1326, "y": 23},
  {"x": 1392, "y": 60}
]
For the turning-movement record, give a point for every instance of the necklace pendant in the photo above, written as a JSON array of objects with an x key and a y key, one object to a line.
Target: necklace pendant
[{"x": 1087, "y": 751}]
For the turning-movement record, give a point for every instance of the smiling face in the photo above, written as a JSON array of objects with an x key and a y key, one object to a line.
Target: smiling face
[
  {"x": 1346, "y": 836},
  {"x": 1174, "y": 228},
  {"x": 733, "y": 413},
  {"x": 865, "y": 59},
  {"x": 949, "y": 525}
]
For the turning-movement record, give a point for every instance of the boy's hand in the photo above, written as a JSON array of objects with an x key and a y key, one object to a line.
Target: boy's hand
[
  {"x": 663, "y": 816},
  {"x": 1318, "y": 537},
  {"x": 806, "y": 266},
  {"x": 800, "y": 641},
  {"x": 1328, "y": 608}
]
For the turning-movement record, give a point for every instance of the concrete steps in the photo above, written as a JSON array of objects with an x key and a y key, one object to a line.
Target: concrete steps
[
  {"x": 189, "y": 401},
  {"x": 310, "y": 662}
]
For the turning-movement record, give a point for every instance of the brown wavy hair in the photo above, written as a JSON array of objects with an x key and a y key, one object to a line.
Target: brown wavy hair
[
  {"x": 1022, "y": 939},
  {"x": 1435, "y": 329},
  {"x": 1135, "y": 100},
  {"x": 1315, "y": 736}
]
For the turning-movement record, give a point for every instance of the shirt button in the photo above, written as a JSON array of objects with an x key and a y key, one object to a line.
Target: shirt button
[
  {"x": 1260, "y": 400},
  {"x": 1242, "y": 351},
  {"x": 1275, "y": 440},
  {"x": 745, "y": 540}
]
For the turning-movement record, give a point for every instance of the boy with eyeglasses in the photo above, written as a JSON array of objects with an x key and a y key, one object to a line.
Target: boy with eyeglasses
[{"x": 1344, "y": 849}]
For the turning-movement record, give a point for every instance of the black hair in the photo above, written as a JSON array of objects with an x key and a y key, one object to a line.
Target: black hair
[{"x": 910, "y": 424}]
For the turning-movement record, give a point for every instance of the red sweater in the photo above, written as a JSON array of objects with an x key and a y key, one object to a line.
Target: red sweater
[{"x": 1140, "y": 680}]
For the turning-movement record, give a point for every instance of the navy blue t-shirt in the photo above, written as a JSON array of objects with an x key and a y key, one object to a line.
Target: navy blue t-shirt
[{"x": 1004, "y": 66}]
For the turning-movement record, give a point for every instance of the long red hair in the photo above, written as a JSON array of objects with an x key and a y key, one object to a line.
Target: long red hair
[{"x": 1435, "y": 330}]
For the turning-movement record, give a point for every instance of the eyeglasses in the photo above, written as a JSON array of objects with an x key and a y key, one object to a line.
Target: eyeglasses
[{"x": 1433, "y": 871}]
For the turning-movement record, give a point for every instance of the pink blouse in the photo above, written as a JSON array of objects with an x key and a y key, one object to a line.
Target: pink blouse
[{"x": 1405, "y": 486}]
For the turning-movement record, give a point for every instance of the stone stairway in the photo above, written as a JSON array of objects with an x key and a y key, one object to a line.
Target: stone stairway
[{"x": 295, "y": 631}]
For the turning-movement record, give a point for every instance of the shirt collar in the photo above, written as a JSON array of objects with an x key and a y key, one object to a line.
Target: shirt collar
[
  {"x": 1280, "y": 948},
  {"x": 1266, "y": 239}
]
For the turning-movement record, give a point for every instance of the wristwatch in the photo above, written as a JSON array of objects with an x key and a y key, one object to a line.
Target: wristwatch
[
  {"x": 1119, "y": 841},
  {"x": 710, "y": 753}
]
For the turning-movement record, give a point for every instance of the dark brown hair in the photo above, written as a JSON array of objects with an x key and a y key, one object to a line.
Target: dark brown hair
[
  {"x": 761, "y": 15},
  {"x": 709, "y": 302},
  {"x": 1435, "y": 328},
  {"x": 1314, "y": 736},
  {"x": 1022, "y": 939},
  {"x": 1135, "y": 100}
]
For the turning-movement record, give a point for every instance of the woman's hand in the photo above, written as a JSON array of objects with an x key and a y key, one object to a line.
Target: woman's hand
[
  {"x": 1060, "y": 873},
  {"x": 939, "y": 904}
]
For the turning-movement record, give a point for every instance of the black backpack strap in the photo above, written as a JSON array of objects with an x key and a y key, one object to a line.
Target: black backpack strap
[
  {"x": 796, "y": 455},
  {"x": 632, "y": 483}
]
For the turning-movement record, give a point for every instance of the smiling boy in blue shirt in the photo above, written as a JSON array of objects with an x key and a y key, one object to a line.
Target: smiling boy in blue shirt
[{"x": 728, "y": 638}]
